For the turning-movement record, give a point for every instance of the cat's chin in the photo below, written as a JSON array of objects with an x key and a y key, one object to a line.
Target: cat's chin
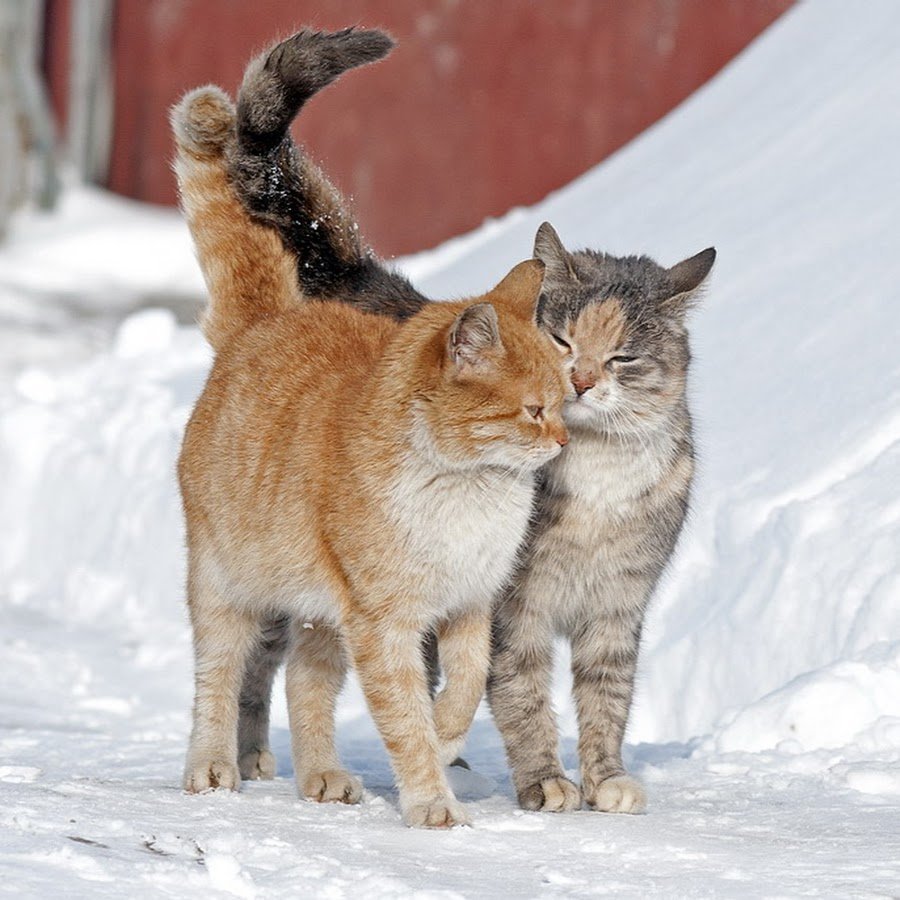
[
  {"x": 522, "y": 461},
  {"x": 582, "y": 411},
  {"x": 528, "y": 464},
  {"x": 587, "y": 413}
]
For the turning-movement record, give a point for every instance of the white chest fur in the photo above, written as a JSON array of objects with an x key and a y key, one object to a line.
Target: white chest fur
[
  {"x": 597, "y": 492},
  {"x": 462, "y": 530},
  {"x": 607, "y": 476}
]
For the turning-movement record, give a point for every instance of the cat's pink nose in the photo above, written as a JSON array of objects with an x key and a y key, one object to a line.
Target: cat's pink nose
[
  {"x": 560, "y": 435},
  {"x": 582, "y": 382}
]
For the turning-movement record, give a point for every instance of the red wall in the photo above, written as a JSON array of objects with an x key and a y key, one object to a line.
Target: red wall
[{"x": 484, "y": 105}]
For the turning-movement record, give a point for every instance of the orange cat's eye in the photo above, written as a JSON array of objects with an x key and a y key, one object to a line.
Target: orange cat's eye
[{"x": 536, "y": 412}]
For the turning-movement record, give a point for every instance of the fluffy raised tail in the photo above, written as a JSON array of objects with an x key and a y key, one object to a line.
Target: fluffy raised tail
[
  {"x": 281, "y": 188},
  {"x": 249, "y": 273},
  {"x": 279, "y": 81}
]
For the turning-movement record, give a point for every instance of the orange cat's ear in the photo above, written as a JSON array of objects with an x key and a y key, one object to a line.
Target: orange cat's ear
[
  {"x": 521, "y": 288},
  {"x": 475, "y": 337},
  {"x": 523, "y": 281},
  {"x": 684, "y": 279}
]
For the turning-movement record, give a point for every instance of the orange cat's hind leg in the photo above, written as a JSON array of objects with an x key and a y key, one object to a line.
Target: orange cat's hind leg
[
  {"x": 224, "y": 637},
  {"x": 316, "y": 668}
]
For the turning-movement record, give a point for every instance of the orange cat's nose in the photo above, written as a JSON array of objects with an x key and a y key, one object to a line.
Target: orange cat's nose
[
  {"x": 561, "y": 436},
  {"x": 583, "y": 382}
]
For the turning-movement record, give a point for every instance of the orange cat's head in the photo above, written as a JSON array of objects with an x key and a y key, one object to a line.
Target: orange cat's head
[{"x": 496, "y": 384}]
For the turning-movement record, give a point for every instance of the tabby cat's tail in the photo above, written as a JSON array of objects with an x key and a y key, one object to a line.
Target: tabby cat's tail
[
  {"x": 279, "y": 81},
  {"x": 282, "y": 188},
  {"x": 248, "y": 271}
]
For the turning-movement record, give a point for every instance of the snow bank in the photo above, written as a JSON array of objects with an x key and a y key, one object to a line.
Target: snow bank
[
  {"x": 787, "y": 163},
  {"x": 853, "y": 701},
  {"x": 101, "y": 250},
  {"x": 66, "y": 279}
]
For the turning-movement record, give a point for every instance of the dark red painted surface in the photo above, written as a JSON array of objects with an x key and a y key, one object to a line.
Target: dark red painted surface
[
  {"x": 485, "y": 104},
  {"x": 57, "y": 25}
]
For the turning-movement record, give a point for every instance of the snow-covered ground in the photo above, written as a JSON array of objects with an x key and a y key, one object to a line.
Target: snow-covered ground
[{"x": 767, "y": 724}]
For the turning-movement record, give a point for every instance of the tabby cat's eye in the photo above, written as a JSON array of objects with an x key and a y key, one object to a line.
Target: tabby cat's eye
[
  {"x": 560, "y": 342},
  {"x": 536, "y": 412},
  {"x": 622, "y": 359}
]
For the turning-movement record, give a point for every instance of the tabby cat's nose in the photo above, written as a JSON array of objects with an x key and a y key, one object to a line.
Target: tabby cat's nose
[{"x": 582, "y": 383}]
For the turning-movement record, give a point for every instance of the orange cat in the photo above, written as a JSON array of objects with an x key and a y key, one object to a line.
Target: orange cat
[{"x": 370, "y": 479}]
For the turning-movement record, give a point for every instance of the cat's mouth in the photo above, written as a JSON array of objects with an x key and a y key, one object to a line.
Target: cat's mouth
[
  {"x": 587, "y": 407},
  {"x": 521, "y": 457},
  {"x": 535, "y": 457},
  {"x": 587, "y": 401}
]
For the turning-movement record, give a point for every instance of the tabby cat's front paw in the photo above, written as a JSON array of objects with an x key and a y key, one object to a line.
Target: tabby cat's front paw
[
  {"x": 333, "y": 786},
  {"x": 619, "y": 794},
  {"x": 555, "y": 794},
  {"x": 214, "y": 773},
  {"x": 257, "y": 765},
  {"x": 442, "y": 812}
]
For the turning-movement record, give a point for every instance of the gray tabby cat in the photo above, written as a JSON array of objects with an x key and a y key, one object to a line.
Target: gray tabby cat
[
  {"x": 610, "y": 507},
  {"x": 609, "y": 513}
]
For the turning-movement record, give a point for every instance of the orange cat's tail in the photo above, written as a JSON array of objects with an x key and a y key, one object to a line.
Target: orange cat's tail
[{"x": 249, "y": 274}]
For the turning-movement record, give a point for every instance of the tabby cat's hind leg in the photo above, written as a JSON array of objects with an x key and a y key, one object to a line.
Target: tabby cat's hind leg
[
  {"x": 604, "y": 657},
  {"x": 255, "y": 759},
  {"x": 519, "y": 694}
]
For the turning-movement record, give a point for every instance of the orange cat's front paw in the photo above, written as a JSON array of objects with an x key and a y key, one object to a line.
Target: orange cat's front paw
[
  {"x": 212, "y": 774},
  {"x": 442, "y": 812},
  {"x": 334, "y": 786}
]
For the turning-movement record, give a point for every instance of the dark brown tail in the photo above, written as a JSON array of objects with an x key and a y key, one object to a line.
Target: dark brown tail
[
  {"x": 278, "y": 82},
  {"x": 281, "y": 188}
]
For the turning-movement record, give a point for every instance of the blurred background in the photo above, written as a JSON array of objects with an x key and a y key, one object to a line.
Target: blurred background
[{"x": 484, "y": 105}]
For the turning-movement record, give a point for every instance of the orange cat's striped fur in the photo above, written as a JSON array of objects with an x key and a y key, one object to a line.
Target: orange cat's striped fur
[{"x": 371, "y": 479}]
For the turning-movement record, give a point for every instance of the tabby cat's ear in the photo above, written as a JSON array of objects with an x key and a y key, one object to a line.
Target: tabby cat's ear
[
  {"x": 684, "y": 279},
  {"x": 548, "y": 248},
  {"x": 474, "y": 337}
]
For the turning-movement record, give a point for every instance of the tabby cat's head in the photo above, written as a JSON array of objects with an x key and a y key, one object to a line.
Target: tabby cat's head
[
  {"x": 497, "y": 387},
  {"x": 621, "y": 320}
]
